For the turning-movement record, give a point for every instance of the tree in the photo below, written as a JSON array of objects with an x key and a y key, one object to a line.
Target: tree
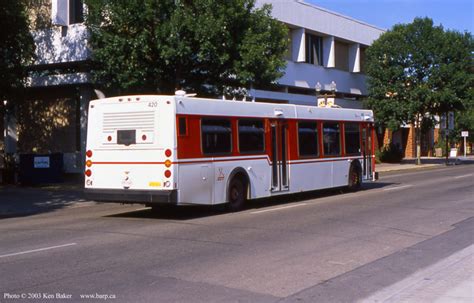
[
  {"x": 150, "y": 46},
  {"x": 417, "y": 71},
  {"x": 16, "y": 48}
]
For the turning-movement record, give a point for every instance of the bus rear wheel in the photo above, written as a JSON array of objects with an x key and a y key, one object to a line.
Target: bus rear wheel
[
  {"x": 236, "y": 194},
  {"x": 355, "y": 178}
]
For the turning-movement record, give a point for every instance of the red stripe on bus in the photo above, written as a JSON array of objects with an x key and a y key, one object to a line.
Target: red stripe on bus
[
  {"x": 227, "y": 160},
  {"x": 142, "y": 163}
]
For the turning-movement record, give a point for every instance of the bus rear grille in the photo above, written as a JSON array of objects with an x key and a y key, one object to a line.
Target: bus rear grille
[{"x": 128, "y": 120}]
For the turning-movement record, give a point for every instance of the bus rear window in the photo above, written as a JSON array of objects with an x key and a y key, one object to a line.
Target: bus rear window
[{"x": 126, "y": 137}]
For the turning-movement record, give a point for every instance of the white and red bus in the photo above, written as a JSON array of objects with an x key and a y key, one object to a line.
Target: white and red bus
[{"x": 185, "y": 150}]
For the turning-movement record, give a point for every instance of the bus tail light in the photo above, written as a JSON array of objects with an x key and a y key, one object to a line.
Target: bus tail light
[
  {"x": 167, "y": 173},
  {"x": 168, "y": 163},
  {"x": 168, "y": 152},
  {"x": 88, "y": 163},
  {"x": 89, "y": 153},
  {"x": 88, "y": 173}
]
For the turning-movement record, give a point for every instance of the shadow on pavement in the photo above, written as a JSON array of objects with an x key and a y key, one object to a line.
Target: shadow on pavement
[
  {"x": 190, "y": 212},
  {"x": 18, "y": 201}
]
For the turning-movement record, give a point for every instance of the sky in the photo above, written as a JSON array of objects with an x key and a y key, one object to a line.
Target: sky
[{"x": 452, "y": 14}]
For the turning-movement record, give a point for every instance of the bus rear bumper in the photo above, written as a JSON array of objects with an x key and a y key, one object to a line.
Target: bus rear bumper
[{"x": 132, "y": 196}]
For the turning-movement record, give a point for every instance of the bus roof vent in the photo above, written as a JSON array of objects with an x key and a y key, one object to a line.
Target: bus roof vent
[{"x": 182, "y": 93}]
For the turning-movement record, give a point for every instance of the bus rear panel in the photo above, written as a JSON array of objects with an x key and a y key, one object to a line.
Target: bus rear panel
[{"x": 131, "y": 148}]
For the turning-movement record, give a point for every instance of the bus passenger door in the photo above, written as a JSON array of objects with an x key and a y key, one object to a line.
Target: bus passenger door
[
  {"x": 367, "y": 152},
  {"x": 279, "y": 155}
]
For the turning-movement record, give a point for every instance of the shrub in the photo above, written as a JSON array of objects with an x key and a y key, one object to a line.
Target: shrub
[{"x": 391, "y": 154}]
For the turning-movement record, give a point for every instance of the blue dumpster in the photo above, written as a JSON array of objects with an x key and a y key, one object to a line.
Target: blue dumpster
[{"x": 41, "y": 168}]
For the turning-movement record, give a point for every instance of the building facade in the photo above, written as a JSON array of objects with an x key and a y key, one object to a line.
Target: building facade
[{"x": 326, "y": 49}]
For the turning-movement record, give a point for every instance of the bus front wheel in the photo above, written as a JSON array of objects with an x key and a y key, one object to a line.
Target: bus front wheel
[{"x": 236, "y": 195}]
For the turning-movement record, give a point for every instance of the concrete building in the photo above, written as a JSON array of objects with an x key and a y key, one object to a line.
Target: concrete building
[
  {"x": 326, "y": 48},
  {"x": 53, "y": 115}
]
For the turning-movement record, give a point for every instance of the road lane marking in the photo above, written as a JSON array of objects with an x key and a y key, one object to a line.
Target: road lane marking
[
  {"x": 36, "y": 250},
  {"x": 277, "y": 208},
  {"x": 463, "y": 176},
  {"x": 398, "y": 187}
]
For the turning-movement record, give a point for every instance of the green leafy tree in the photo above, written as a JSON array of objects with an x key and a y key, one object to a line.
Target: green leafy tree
[
  {"x": 149, "y": 46},
  {"x": 465, "y": 120},
  {"x": 16, "y": 48},
  {"x": 416, "y": 71}
]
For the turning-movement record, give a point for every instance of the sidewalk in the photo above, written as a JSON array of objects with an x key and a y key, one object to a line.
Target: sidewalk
[{"x": 426, "y": 162}]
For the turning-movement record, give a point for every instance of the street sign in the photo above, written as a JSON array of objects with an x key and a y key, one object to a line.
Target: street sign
[
  {"x": 465, "y": 134},
  {"x": 453, "y": 153},
  {"x": 41, "y": 162}
]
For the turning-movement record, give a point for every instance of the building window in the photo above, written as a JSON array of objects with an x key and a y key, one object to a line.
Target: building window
[
  {"x": 342, "y": 55},
  {"x": 76, "y": 11},
  {"x": 352, "y": 138},
  {"x": 314, "y": 49},
  {"x": 251, "y": 136},
  {"x": 65, "y": 12},
  {"x": 289, "y": 54},
  {"x": 362, "y": 59},
  {"x": 216, "y": 136},
  {"x": 331, "y": 139},
  {"x": 308, "y": 139}
]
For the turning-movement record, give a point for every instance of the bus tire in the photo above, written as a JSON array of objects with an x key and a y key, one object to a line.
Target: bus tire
[
  {"x": 236, "y": 194},
  {"x": 355, "y": 177}
]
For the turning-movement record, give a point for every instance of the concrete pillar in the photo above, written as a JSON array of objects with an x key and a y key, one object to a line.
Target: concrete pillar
[
  {"x": 410, "y": 148},
  {"x": 10, "y": 130},
  {"x": 354, "y": 58},
  {"x": 387, "y": 137},
  {"x": 298, "y": 45},
  {"x": 85, "y": 95},
  {"x": 436, "y": 135},
  {"x": 329, "y": 52}
]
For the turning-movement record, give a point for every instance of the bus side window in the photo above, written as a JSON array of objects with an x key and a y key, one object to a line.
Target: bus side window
[
  {"x": 183, "y": 127},
  {"x": 308, "y": 139},
  {"x": 216, "y": 136},
  {"x": 331, "y": 139},
  {"x": 251, "y": 136},
  {"x": 352, "y": 138}
]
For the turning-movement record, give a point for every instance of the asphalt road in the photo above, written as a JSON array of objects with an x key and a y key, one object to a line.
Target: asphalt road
[{"x": 320, "y": 247}]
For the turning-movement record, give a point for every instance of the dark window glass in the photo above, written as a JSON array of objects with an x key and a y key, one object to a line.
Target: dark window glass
[
  {"x": 251, "y": 136},
  {"x": 216, "y": 136},
  {"x": 331, "y": 138},
  {"x": 308, "y": 138},
  {"x": 352, "y": 138},
  {"x": 182, "y": 126},
  {"x": 314, "y": 49},
  {"x": 284, "y": 173},
  {"x": 274, "y": 157},
  {"x": 126, "y": 137},
  {"x": 76, "y": 11}
]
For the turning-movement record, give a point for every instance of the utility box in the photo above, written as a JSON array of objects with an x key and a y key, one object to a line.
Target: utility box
[{"x": 41, "y": 168}]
